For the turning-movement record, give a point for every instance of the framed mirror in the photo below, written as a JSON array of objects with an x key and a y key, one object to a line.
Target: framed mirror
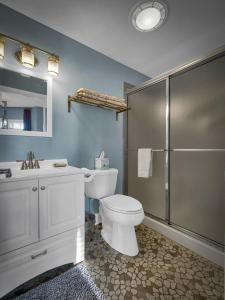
[{"x": 25, "y": 104}]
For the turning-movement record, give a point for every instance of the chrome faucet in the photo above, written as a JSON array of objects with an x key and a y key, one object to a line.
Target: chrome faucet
[
  {"x": 31, "y": 162},
  {"x": 30, "y": 158},
  {"x": 24, "y": 165}
]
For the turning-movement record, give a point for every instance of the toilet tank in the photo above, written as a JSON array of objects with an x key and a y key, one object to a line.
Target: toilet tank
[{"x": 103, "y": 183}]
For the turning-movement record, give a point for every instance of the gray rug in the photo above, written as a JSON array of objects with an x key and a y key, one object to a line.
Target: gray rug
[{"x": 74, "y": 284}]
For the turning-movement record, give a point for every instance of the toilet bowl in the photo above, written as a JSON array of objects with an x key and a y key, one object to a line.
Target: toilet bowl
[
  {"x": 119, "y": 213},
  {"x": 119, "y": 216}
]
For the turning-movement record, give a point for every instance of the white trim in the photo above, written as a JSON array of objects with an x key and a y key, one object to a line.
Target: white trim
[
  {"x": 49, "y": 79},
  {"x": 49, "y": 108},
  {"x": 201, "y": 248},
  {"x": 25, "y": 133}
]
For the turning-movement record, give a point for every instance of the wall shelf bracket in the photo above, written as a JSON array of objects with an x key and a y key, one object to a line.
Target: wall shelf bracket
[
  {"x": 118, "y": 109},
  {"x": 121, "y": 111}
]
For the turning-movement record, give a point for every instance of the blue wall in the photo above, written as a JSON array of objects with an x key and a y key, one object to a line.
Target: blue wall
[
  {"x": 82, "y": 134},
  {"x": 15, "y": 113}
]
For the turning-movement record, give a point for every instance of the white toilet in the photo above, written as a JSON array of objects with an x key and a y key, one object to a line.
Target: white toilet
[{"x": 119, "y": 213}]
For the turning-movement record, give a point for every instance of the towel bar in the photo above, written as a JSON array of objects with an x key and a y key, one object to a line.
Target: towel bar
[
  {"x": 153, "y": 150},
  {"x": 183, "y": 150}
]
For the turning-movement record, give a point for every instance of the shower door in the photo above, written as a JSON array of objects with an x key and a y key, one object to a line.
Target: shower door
[
  {"x": 183, "y": 115},
  {"x": 146, "y": 125},
  {"x": 197, "y": 162}
]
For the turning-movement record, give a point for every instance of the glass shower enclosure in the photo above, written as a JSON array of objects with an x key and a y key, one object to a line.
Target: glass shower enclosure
[{"x": 181, "y": 117}]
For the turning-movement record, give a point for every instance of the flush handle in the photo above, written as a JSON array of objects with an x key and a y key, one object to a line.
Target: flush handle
[{"x": 42, "y": 188}]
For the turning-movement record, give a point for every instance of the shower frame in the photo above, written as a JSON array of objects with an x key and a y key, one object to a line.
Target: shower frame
[{"x": 218, "y": 53}]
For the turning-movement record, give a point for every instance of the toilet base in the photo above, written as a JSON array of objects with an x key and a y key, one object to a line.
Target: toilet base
[{"x": 122, "y": 238}]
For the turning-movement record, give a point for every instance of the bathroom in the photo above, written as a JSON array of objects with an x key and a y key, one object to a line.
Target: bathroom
[{"x": 159, "y": 148}]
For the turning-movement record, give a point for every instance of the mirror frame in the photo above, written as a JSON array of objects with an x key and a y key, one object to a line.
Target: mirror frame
[{"x": 47, "y": 133}]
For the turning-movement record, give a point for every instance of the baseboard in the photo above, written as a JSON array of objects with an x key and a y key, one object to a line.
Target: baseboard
[{"x": 213, "y": 254}]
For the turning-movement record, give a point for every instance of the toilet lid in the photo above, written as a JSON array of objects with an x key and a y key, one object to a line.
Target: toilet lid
[{"x": 122, "y": 203}]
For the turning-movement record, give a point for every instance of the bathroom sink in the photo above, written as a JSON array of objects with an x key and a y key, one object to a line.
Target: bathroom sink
[
  {"x": 33, "y": 172},
  {"x": 46, "y": 169}
]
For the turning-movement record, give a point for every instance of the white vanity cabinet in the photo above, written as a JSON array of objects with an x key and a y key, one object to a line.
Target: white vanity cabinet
[
  {"x": 18, "y": 214},
  {"x": 61, "y": 204},
  {"x": 41, "y": 223}
]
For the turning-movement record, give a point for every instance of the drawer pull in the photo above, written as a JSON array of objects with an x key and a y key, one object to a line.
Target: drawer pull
[
  {"x": 42, "y": 188},
  {"x": 34, "y": 189},
  {"x": 39, "y": 254}
]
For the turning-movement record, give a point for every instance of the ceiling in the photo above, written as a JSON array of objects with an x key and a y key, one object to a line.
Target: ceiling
[{"x": 193, "y": 28}]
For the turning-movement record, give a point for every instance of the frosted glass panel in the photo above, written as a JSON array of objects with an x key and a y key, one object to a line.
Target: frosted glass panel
[
  {"x": 147, "y": 129},
  {"x": 198, "y": 107},
  {"x": 198, "y": 192},
  {"x": 147, "y": 117}
]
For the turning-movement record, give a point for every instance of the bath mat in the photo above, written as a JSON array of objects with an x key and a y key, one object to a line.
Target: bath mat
[{"x": 74, "y": 284}]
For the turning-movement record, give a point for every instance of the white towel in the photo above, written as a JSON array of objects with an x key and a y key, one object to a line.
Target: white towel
[{"x": 145, "y": 157}]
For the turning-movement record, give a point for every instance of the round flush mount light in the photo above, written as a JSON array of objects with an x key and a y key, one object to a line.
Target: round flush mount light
[{"x": 149, "y": 15}]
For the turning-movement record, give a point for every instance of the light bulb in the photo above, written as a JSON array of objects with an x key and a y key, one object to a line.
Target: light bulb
[
  {"x": 27, "y": 57},
  {"x": 2, "y": 48},
  {"x": 53, "y": 65}
]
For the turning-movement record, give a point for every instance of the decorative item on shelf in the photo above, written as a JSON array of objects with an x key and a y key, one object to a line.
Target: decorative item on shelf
[
  {"x": 26, "y": 55},
  {"x": 53, "y": 65},
  {"x": 2, "y": 47},
  {"x": 94, "y": 98}
]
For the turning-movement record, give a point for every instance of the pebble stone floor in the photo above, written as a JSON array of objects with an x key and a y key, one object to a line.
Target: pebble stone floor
[{"x": 163, "y": 269}]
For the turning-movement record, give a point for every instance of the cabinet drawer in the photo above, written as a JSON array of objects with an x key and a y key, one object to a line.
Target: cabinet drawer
[{"x": 23, "y": 264}]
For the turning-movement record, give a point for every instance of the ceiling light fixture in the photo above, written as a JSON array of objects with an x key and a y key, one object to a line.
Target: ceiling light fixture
[{"x": 149, "y": 15}]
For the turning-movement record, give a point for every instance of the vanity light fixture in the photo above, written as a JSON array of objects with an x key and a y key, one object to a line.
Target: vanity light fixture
[
  {"x": 149, "y": 15},
  {"x": 26, "y": 55},
  {"x": 2, "y": 47},
  {"x": 53, "y": 65}
]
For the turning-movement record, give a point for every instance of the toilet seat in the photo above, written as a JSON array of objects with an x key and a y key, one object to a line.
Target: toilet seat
[{"x": 122, "y": 204}]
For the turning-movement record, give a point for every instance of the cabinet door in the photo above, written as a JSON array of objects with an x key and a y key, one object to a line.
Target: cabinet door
[
  {"x": 61, "y": 204},
  {"x": 18, "y": 214}
]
